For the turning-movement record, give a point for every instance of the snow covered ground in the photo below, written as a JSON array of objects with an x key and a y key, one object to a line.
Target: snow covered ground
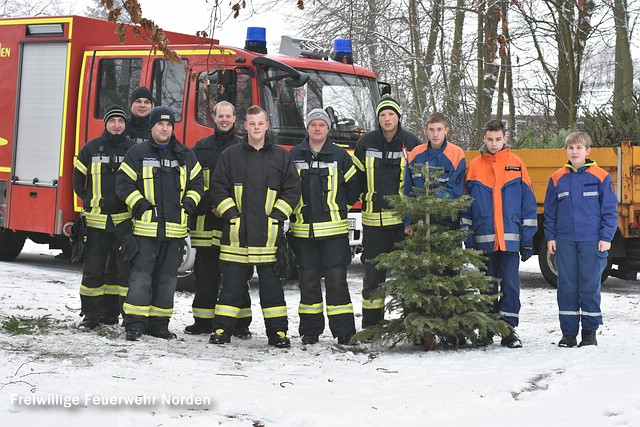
[{"x": 105, "y": 380}]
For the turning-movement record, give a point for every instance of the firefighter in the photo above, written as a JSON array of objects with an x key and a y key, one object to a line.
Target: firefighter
[
  {"x": 320, "y": 231},
  {"x": 206, "y": 229},
  {"x": 107, "y": 218},
  {"x": 161, "y": 182},
  {"x": 141, "y": 104},
  {"x": 254, "y": 188},
  {"x": 381, "y": 159}
]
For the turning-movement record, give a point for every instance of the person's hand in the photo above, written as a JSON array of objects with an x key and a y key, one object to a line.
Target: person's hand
[
  {"x": 140, "y": 208},
  {"x": 128, "y": 247},
  {"x": 551, "y": 247},
  {"x": 525, "y": 253},
  {"x": 408, "y": 231},
  {"x": 215, "y": 212},
  {"x": 189, "y": 206},
  {"x": 604, "y": 246}
]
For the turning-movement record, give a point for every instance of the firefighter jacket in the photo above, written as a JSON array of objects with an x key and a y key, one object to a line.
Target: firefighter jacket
[
  {"x": 138, "y": 128},
  {"x": 449, "y": 183},
  {"x": 580, "y": 204},
  {"x": 382, "y": 165},
  {"x": 503, "y": 214},
  {"x": 94, "y": 179},
  {"x": 255, "y": 192},
  {"x": 161, "y": 185},
  {"x": 206, "y": 228},
  {"x": 329, "y": 188}
]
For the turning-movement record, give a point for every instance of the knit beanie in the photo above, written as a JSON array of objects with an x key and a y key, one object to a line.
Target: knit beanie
[
  {"x": 161, "y": 113},
  {"x": 114, "y": 111},
  {"x": 388, "y": 103},
  {"x": 141, "y": 92},
  {"x": 318, "y": 114}
]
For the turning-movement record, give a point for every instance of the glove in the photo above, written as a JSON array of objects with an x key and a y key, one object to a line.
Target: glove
[
  {"x": 78, "y": 239},
  {"x": 525, "y": 253},
  {"x": 141, "y": 207},
  {"x": 189, "y": 206},
  {"x": 469, "y": 244},
  {"x": 128, "y": 247}
]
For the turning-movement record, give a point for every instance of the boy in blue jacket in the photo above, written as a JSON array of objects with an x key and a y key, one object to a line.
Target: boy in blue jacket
[{"x": 581, "y": 218}]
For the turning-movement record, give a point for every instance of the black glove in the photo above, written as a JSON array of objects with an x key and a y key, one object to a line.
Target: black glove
[
  {"x": 525, "y": 253},
  {"x": 78, "y": 239},
  {"x": 128, "y": 247},
  {"x": 189, "y": 206},
  {"x": 141, "y": 207}
]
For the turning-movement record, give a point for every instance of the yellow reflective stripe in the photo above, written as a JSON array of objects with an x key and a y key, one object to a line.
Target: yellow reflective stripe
[
  {"x": 403, "y": 164},
  {"x": 227, "y": 310},
  {"x": 175, "y": 231},
  {"x": 111, "y": 289},
  {"x": 244, "y": 313},
  {"x": 160, "y": 312},
  {"x": 86, "y": 291},
  {"x": 283, "y": 207},
  {"x": 299, "y": 230},
  {"x": 96, "y": 220},
  {"x": 225, "y": 205},
  {"x": 128, "y": 170},
  {"x": 368, "y": 196},
  {"x": 334, "y": 310},
  {"x": 133, "y": 198},
  {"x": 195, "y": 171},
  {"x": 215, "y": 237},
  {"x": 122, "y": 290},
  {"x": 273, "y": 312},
  {"x": 206, "y": 176},
  {"x": 357, "y": 163},
  {"x": 145, "y": 229},
  {"x": 334, "y": 209},
  {"x": 380, "y": 219},
  {"x": 148, "y": 184},
  {"x": 117, "y": 218},
  {"x": 194, "y": 195},
  {"x": 203, "y": 313},
  {"x": 237, "y": 194},
  {"x": 350, "y": 173},
  {"x": 311, "y": 308},
  {"x": 234, "y": 232},
  {"x": 371, "y": 304},
  {"x": 250, "y": 255},
  {"x": 272, "y": 231},
  {"x": 320, "y": 230},
  {"x": 96, "y": 184},
  {"x": 183, "y": 180},
  {"x": 270, "y": 201},
  {"x": 136, "y": 310},
  {"x": 81, "y": 167}
]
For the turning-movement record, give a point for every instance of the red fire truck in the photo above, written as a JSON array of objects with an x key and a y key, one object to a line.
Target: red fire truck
[{"x": 59, "y": 74}]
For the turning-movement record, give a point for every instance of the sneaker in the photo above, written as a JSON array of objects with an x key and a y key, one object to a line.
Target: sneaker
[
  {"x": 345, "y": 339},
  {"x": 567, "y": 341},
  {"x": 109, "y": 320},
  {"x": 165, "y": 334},
  {"x": 200, "y": 326},
  {"x": 89, "y": 323},
  {"x": 220, "y": 336},
  {"x": 512, "y": 340},
  {"x": 133, "y": 334},
  {"x": 280, "y": 340},
  {"x": 243, "y": 333},
  {"x": 588, "y": 338},
  {"x": 310, "y": 339}
]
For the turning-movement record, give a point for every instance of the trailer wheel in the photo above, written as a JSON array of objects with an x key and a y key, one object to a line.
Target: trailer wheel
[
  {"x": 549, "y": 270},
  {"x": 11, "y": 244}
]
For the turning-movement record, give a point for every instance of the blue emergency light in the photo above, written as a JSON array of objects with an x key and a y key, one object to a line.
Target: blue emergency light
[
  {"x": 256, "y": 39},
  {"x": 342, "y": 51}
]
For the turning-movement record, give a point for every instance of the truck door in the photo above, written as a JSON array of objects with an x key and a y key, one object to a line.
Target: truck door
[{"x": 38, "y": 143}]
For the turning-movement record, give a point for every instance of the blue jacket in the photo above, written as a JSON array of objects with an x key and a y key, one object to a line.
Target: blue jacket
[{"x": 580, "y": 204}]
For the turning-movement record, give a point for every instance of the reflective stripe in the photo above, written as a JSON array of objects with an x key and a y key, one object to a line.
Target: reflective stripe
[
  {"x": 237, "y": 194},
  {"x": 272, "y": 231},
  {"x": 122, "y": 290},
  {"x": 160, "y": 312},
  {"x": 86, "y": 291},
  {"x": 380, "y": 219},
  {"x": 590, "y": 193},
  {"x": 466, "y": 221},
  {"x": 301, "y": 164},
  {"x": 111, "y": 289},
  {"x": 484, "y": 239},
  {"x": 357, "y": 163},
  {"x": 225, "y": 205},
  {"x": 244, "y": 313},
  {"x": 507, "y": 314},
  {"x": 563, "y": 194},
  {"x": 136, "y": 310},
  {"x": 372, "y": 304},
  {"x": 227, "y": 310},
  {"x": 133, "y": 198},
  {"x": 530, "y": 222},
  {"x": 81, "y": 167},
  {"x": 128, "y": 170},
  {"x": 195, "y": 171},
  {"x": 270, "y": 200},
  {"x": 206, "y": 175},
  {"x": 203, "y": 313},
  {"x": 350, "y": 173},
  {"x": 317, "y": 308},
  {"x": 512, "y": 237},
  {"x": 320, "y": 229},
  {"x": 569, "y": 313},
  {"x": 193, "y": 195},
  {"x": 273, "y": 312},
  {"x": 589, "y": 314},
  {"x": 335, "y": 310},
  {"x": 283, "y": 207},
  {"x": 250, "y": 255}
]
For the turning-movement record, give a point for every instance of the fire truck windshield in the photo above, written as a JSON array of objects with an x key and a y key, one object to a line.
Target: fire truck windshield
[{"x": 349, "y": 100}]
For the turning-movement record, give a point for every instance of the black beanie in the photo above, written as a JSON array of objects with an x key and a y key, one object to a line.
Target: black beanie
[
  {"x": 388, "y": 103},
  {"x": 161, "y": 113},
  {"x": 114, "y": 111},
  {"x": 141, "y": 92}
]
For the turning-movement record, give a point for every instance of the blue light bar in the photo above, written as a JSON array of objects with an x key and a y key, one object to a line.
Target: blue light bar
[
  {"x": 256, "y": 39},
  {"x": 342, "y": 51}
]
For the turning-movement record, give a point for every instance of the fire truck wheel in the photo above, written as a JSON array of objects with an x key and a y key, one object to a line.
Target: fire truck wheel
[
  {"x": 11, "y": 244},
  {"x": 549, "y": 270}
]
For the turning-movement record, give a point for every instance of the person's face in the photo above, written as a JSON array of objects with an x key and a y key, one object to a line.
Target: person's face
[
  {"x": 388, "y": 121},
  {"x": 141, "y": 107},
  {"x": 256, "y": 126},
  {"x": 437, "y": 132},
  {"x": 494, "y": 140},
  {"x": 115, "y": 125},
  {"x": 577, "y": 154},
  {"x": 161, "y": 132},
  {"x": 224, "y": 118},
  {"x": 318, "y": 131}
]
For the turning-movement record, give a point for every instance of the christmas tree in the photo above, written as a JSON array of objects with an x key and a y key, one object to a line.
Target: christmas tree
[{"x": 433, "y": 296}]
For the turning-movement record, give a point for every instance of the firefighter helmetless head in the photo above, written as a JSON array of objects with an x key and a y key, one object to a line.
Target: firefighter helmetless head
[
  {"x": 318, "y": 125},
  {"x": 141, "y": 102},
  {"x": 161, "y": 122},
  {"x": 389, "y": 112},
  {"x": 115, "y": 120}
]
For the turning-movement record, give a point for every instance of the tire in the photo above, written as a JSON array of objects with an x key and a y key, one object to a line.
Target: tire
[
  {"x": 11, "y": 244},
  {"x": 549, "y": 270}
]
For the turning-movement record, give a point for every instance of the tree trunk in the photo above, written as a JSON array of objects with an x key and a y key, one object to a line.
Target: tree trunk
[
  {"x": 452, "y": 103},
  {"x": 623, "y": 83}
]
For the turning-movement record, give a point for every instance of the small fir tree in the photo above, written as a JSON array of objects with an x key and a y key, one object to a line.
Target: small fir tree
[{"x": 432, "y": 296}]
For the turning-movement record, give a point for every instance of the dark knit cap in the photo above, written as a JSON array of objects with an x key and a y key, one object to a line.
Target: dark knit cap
[
  {"x": 114, "y": 111},
  {"x": 141, "y": 92},
  {"x": 161, "y": 113},
  {"x": 388, "y": 103}
]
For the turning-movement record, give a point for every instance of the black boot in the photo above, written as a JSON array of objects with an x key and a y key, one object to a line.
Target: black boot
[
  {"x": 512, "y": 340},
  {"x": 200, "y": 326},
  {"x": 567, "y": 341},
  {"x": 220, "y": 336},
  {"x": 280, "y": 340},
  {"x": 88, "y": 323},
  {"x": 588, "y": 337}
]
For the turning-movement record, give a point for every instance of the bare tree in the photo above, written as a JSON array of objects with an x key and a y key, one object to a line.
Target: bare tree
[{"x": 11, "y": 8}]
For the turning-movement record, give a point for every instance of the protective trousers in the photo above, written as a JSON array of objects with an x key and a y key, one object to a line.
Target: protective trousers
[
  {"x": 376, "y": 241},
  {"x": 580, "y": 267},
  {"x": 152, "y": 284},
  {"x": 208, "y": 274},
  {"x": 504, "y": 266},
  {"x": 103, "y": 274},
  {"x": 233, "y": 293},
  {"x": 329, "y": 258}
]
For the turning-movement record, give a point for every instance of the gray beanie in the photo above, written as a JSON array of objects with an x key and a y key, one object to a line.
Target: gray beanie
[
  {"x": 318, "y": 114},
  {"x": 114, "y": 111}
]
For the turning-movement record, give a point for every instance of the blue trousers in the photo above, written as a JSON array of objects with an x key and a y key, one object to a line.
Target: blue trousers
[
  {"x": 580, "y": 267},
  {"x": 504, "y": 267}
]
